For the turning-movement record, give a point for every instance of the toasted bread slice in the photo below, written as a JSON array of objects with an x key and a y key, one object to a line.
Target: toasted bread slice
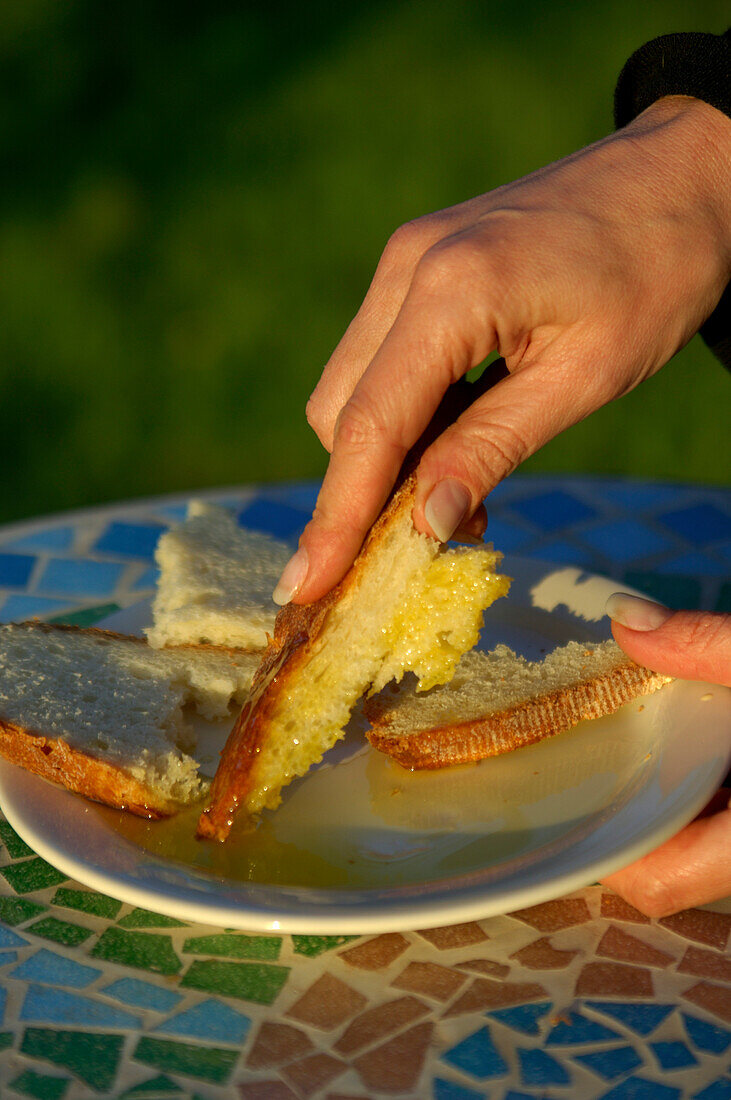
[
  {"x": 102, "y": 713},
  {"x": 406, "y": 603},
  {"x": 498, "y": 702},
  {"x": 216, "y": 582}
]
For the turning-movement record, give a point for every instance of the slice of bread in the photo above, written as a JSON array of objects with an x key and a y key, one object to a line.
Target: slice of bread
[
  {"x": 216, "y": 582},
  {"x": 406, "y": 603},
  {"x": 102, "y": 713},
  {"x": 497, "y": 702}
]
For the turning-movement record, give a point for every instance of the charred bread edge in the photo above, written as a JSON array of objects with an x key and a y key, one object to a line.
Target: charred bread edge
[
  {"x": 509, "y": 729},
  {"x": 296, "y": 629}
]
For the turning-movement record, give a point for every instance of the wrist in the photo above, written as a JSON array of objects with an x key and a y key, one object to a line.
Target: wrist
[{"x": 696, "y": 140}]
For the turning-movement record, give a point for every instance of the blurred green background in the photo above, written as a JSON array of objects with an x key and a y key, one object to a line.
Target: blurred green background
[{"x": 193, "y": 198}]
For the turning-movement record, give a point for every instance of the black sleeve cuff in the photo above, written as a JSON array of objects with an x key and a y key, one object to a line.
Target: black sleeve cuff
[{"x": 692, "y": 64}]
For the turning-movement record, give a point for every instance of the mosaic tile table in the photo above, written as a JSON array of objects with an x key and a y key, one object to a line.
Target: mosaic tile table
[{"x": 578, "y": 997}]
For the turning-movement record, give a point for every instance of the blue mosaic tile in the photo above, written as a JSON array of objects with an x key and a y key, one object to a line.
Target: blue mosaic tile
[
  {"x": 562, "y": 553},
  {"x": 130, "y": 540},
  {"x": 81, "y": 577},
  {"x": 273, "y": 517},
  {"x": 148, "y": 579},
  {"x": 7, "y": 957},
  {"x": 15, "y": 570},
  {"x": 625, "y": 540},
  {"x": 133, "y": 991},
  {"x": 523, "y": 1018},
  {"x": 55, "y": 1006},
  {"x": 699, "y": 524},
  {"x": 673, "y": 1055},
  {"x": 675, "y": 590},
  {"x": 639, "y": 1088},
  {"x": 553, "y": 509},
  {"x": 209, "y": 1020},
  {"x": 48, "y": 538},
  {"x": 539, "y": 1068},
  {"x": 17, "y": 608},
  {"x": 448, "y": 1090},
  {"x": 3, "y": 1000},
  {"x": 580, "y": 1029},
  {"x": 640, "y": 1018},
  {"x": 303, "y": 496},
  {"x": 636, "y": 497},
  {"x": 52, "y": 969},
  {"x": 477, "y": 1055},
  {"x": 704, "y": 565},
  {"x": 709, "y": 1038},
  {"x": 507, "y": 536},
  {"x": 9, "y": 938},
  {"x": 610, "y": 1064},
  {"x": 719, "y": 1089}
]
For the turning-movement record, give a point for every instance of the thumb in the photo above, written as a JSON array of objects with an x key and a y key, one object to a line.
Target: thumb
[{"x": 692, "y": 645}]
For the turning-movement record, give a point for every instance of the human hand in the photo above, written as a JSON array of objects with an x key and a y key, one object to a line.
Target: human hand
[
  {"x": 693, "y": 867},
  {"x": 586, "y": 276}
]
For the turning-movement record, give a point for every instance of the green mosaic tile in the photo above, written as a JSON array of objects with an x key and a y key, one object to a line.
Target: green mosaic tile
[
  {"x": 6, "y": 1039},
  {"x": 16, "y": 847},
  {"x": 98, "y": 905},
  {"x": 250, "y": 981},
  {"x": 94, "y": 1059},
  {"x": 150, "y": 1090},
  {"x": 207, "y": 1063},
  {"x": 235, "y": 947},
  {"x": 32, "y": 874},
  {"x": 316, "y": 945},
  {"x": 40, "y": 1085},
  {"x": 87, "y": 616},
  {"x": 144, "y": 950},
  {"x": 15, "y": 910},
  {"x": 723, "y": 603},
  {"x": 142, "y": 918},
  {"x": 60, "y": 931},
  {"x": 672, "y": 590}
]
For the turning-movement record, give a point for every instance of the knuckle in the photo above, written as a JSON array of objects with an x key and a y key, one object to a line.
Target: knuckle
[
  {"x": 405, "y": 242},
  {"x": 357, "y": 428},
  {"x": 499, "y": 449}
]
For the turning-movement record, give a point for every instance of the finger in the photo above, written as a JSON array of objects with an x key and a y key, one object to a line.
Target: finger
[
  {"x": 473, "y": 529},
  {"x": 690, "y": 869},
  {"x": 504, "y": 427},
  {"x": 693, "y": 645},
  {"x": 382, "y": 421},
  {"x": 374, "y": 319}
]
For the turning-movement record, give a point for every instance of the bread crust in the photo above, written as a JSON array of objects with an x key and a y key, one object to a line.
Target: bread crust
[
  {"x": 504, "y": 731},
  {"x": 54, "y": 759},
  {"x": 297, "y": 629}
]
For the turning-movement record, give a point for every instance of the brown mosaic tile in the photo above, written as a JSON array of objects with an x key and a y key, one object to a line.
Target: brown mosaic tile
[
  {"x": 454, "y": 935},
  {"x": 700, "y": 925},
  {"x": 377, "y": 953},
  {"x": 313, "y": 1073},
  {"x": 327, "y": 1003},
  {"x": 706, "y": 964},
  {"x": 376, "y": 1023},
  {"x": 614, "y": 979},
  {"x": 266, "y": 1090},
  {"x": 396, "y": 1066},
  {"x": 276, "y": 1044},
  {"x": 485, "y": 966},
  {"x": 616, "y": 908},
  {"x": 714, "y": 998},
  {"x": 485, "y": 993},
  {"x": 430, "y": 979},
  {"x": 551, "y": 916},
  {"x": 619, "y": 945},
  {"x": 542, "y": 955}
]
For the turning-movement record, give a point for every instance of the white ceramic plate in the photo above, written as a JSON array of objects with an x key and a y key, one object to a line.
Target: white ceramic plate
[{"x": 360, "y": 845}]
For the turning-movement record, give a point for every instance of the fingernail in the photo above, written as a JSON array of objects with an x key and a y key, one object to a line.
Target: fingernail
[
  {"x": 636, "y": 613},
  {"x": 446, "y": 507},
  {"x": 292, "y": 578}
]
